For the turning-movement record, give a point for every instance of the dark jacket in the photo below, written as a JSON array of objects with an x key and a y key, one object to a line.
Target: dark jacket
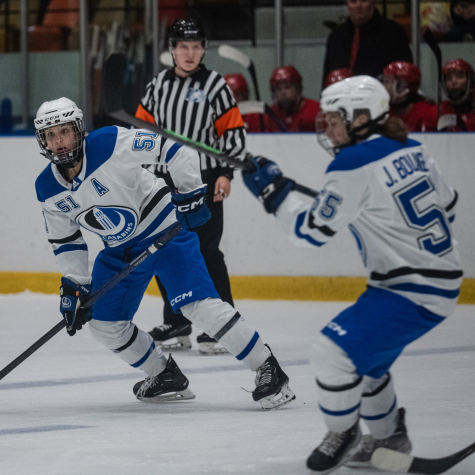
[{"x": 382, "y": 41}]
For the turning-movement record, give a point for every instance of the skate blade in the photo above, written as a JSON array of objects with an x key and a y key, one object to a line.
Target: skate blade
[
  {"x": 208, "y": 349},
  {"x": 175, "y": 396},
  {"x": 182, "y": 343},
  {"x": 270, "y": 402}
]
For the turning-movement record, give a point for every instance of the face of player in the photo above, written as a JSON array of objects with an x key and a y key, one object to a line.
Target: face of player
[
  {"x": 187, "y": 56},
  {"x": 336, "y": 129},
  {"x": 456, "y": 80},
  {"x": 397, "y": 89},
  {"x": 61, "y": 139},
  {"x": 360, "y": 11},
  {"x": 287, "y": 96}
]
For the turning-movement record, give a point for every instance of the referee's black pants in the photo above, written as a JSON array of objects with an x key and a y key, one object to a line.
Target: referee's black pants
[{"x": 210, "y": 236}]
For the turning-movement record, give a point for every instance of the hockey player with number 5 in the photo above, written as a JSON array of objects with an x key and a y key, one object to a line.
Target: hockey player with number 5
[
  {"x": 388, "y": 190},
  {"x": 97, "y": 182}
]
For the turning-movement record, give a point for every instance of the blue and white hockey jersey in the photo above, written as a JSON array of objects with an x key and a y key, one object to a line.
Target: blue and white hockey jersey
[
  {"x": 399, "y": 208},
  {"x": 113, "y": 196}
]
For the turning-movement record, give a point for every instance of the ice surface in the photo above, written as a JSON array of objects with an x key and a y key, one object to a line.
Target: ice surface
[{"x": 69, "y": 408}]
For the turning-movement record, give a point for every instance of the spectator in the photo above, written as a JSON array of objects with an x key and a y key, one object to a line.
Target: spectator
[
  {"x": 458, "y": 111},
  {"x": 402, "y": 81},
  {"x": 298, "y": 113},
  {"x": 336, "y": 76},
  {"x": 463, "y": 18},
  {"x": 366, "y": 42},
  {"x": 238, "y": 85}
]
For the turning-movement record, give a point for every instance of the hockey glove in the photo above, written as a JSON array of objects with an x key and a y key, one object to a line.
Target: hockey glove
[
  {"x": 267, "y": 183},
  {"x": 191, "y": 209},
  {"x": 72, "y": 297}
]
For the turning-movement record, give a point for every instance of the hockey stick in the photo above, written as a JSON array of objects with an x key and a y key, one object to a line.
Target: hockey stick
[
  {"x": 429, "y": 38},
  {"x": 233, "y": 54},
  {"x": 168, "y": 236},
  {"x": 255, "y": 107},
  {"x": 392, "y": 461},
  {"x": 128, "y": 119}
]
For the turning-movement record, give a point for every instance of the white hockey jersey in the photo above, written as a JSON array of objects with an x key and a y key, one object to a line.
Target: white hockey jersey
[
  {"x": 113, "y": 196},
  {"x": 399, "y": 208}
]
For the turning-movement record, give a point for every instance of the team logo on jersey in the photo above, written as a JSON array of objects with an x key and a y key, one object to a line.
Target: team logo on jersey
[
  {"x": 111, "y": 223},
  {"x": 195, "y": 95}
]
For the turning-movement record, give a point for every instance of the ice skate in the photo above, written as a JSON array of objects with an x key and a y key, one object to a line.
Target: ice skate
[
  {"x": 335, "y": 450},
  {"x": 399, "y": 441},
  {"x": 170, "y": 385},
  {"x": 178, "y": 334},
  {"x": 272, "y": 385},
  {"x": 208, "y": 345}
]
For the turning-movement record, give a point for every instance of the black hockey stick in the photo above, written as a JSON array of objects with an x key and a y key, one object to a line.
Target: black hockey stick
[
  {"x": 168, "y": 236},
  {"x": 129, "y": 119},
  {"x": 234, "y": 54},
  {"x": 256, "y": 107},
  {"x": 392, "y": 461},
  {"x": 429, "y": 38}
]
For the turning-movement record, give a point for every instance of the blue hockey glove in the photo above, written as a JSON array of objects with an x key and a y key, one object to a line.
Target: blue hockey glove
[
  {"x": 191, "y": 209},
  {"x": 267, "y": 183},
  {"x": 72, "y": 297}
]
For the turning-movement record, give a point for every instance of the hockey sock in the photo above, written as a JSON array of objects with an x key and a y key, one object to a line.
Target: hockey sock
[
  {"x": 339, "y": 385},
  {"x": 221, "y": 321},
  {"x": 132, "y": 345},
  {"x": 379, "y": 406}
]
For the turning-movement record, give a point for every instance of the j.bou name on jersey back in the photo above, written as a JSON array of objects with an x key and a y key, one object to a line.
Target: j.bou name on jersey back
[{"x": 111, "y": 223}]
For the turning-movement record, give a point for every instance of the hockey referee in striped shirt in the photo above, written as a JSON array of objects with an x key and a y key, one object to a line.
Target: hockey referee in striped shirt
[{"x": 197, "y": 103}]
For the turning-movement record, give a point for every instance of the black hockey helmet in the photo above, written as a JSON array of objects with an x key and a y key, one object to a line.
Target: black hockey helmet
[{"x": 187, "y": 30}]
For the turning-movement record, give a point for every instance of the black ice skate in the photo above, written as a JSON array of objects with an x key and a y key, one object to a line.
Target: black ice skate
[
  {"x": 170, "y": 385},
  {"x": 272, "y": 385},
  {"x": 399, "y": 442},
  {"x": 179, "y": 334},
  {"x": 335, "y": 450},
  {"x": 208, "y": 345}
]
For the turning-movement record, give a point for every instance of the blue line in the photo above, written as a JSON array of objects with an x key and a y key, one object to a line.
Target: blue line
[
  {"x": 425, "y": 289},
  {"x": 298, "y": 225},
  {"x": 249, "y": 347},
  {"x": 380, "y": 416},
  {"x": 142, "y": 360},
  {"x": 214, "y": 369},
  {"x": 29, "y": 430},
  {"x": 339, "y": 413},
  {"x": 70, "y": 247}
]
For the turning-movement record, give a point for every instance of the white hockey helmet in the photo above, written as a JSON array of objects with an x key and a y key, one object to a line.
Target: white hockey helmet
[
  {"x": 57, "y": 112},
  {"x": 352, "y": 97}
]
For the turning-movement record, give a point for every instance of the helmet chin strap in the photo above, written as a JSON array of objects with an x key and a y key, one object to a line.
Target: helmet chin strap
[{"x": 371, "y": 125}]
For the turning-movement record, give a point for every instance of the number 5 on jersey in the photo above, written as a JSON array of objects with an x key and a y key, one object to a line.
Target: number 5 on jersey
[{"x": 144, "y": 141}]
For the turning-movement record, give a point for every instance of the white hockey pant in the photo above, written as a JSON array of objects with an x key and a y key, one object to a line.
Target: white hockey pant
[
  {"x": 223, "y": 323},
  {"x": 132, "y": 345},
  {"x": 344, "y": 396}
]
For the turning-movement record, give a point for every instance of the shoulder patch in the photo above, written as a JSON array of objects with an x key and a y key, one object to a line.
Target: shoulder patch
[
  {"x": 46, "y": 185},
  {"x": 99, "y": 147}
]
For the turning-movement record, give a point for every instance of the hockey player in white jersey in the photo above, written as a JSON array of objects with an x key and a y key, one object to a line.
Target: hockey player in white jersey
[
  {"x": 388, "y": 190},
  {"x": 97, "y": 182}
]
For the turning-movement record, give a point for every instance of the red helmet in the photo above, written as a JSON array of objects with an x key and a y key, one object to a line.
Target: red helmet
[
  {"x": 288, "y": 74},
  {"x": 457, "y": 65},
  {"x": 337, "y": 75},
  {"x": 238, "y": 84},
  {"x": 403, "y": 71},
  {"x": 457, "y": 96}
]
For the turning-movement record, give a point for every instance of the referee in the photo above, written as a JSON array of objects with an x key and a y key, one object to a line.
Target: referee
[{"x": 197, "y": 103}]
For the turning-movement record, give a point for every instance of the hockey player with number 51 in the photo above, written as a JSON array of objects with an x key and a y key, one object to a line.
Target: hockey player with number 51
[
  {"x": 388, "y": 190},
  {"x": 97, "y": 182}
]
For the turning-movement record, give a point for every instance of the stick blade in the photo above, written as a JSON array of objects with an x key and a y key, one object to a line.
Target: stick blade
[
  {"x": 251, "y": 107},
  {"x": 229, "y": 52},
  {"x": 391, "y": 461},
  {"x": 166, "y": 59}
]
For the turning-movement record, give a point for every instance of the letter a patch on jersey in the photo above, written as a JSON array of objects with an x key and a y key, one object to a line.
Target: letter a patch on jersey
[{"x": 99, "y": 187}]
